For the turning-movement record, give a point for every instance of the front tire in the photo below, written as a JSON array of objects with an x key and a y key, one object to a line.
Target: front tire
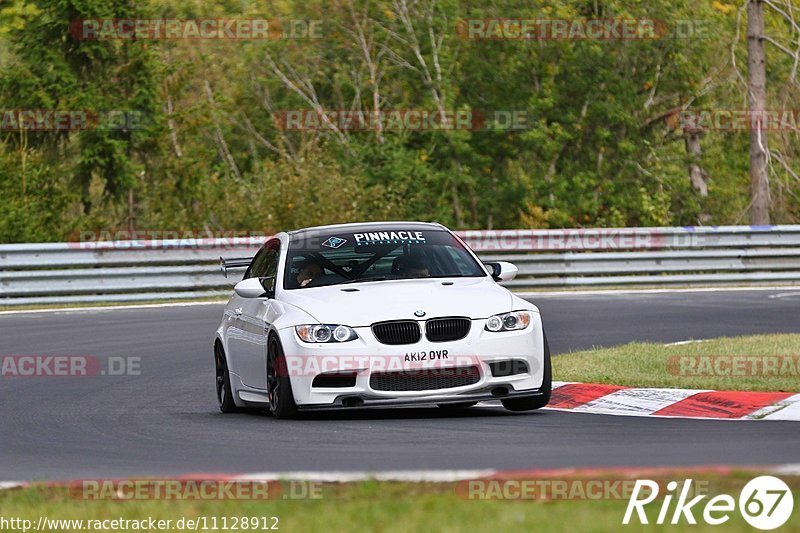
[
  {"x": 223, "y": 379},
  {"x": 279, "y": 386},
  {"x": 535, "y": 402}
]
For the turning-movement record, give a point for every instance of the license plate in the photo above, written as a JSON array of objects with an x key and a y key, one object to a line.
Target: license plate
[{"x": 426, "y": 355}]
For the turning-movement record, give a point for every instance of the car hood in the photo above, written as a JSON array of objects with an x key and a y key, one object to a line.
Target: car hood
[{"x": 400, "y": 299}]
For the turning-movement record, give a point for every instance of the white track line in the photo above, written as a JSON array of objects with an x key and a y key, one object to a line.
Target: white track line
[
  {"x": 787, "y": 470},
  {"x": 691, "y": 341},
  {"x": 420, "y": 476},
  {"x": 521, "y": 294},
  {"x": 656, "y": 291},
  {"x": 91, "y": 309},
  {"x": 452, "y": 476},
  {"x": 409, "y": 476}
]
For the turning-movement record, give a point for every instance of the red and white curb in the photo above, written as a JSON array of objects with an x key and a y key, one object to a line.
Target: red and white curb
[{"x": 674, "y": 403}]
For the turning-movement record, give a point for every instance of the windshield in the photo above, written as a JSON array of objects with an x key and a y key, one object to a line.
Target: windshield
[{"x": 316, "y": 259}]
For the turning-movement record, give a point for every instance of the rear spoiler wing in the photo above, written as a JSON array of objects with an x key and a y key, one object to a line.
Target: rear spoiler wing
[{"x": 233, "y": 263}]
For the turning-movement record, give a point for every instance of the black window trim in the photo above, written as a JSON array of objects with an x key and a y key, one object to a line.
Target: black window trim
[{"x": 273, "y": 244}]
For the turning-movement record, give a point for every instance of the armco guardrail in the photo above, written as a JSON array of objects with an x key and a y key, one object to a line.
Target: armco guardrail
[{"x": 169, "y": 269}]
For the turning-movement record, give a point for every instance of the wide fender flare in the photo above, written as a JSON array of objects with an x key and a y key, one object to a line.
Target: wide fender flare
[{"x": 282, "y": 315}]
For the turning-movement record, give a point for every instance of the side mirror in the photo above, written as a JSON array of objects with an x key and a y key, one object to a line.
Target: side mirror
[
  {"x": 254, "y": 288},
  {"x": 503, "y": 270}
]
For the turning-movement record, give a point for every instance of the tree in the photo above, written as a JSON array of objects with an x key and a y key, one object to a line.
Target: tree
[
  {"x": 757, "y": 104},
  {"x": 115, "y": 81}
]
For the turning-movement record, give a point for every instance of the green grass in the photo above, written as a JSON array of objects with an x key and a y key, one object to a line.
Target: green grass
[
  {"x": 386, "y": 507},
  {"x": 657, "y": 365}
]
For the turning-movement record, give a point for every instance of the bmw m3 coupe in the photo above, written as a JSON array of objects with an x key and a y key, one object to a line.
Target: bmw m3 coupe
[{"x": 376, "y": 314}]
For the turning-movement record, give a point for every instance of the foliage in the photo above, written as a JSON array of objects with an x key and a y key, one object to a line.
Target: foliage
[{"x": 602, "y": 144}]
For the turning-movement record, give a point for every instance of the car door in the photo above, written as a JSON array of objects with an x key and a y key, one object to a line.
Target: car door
[
  {"x": 249, "y": 340},
  {"x": 236, "y": 331}
]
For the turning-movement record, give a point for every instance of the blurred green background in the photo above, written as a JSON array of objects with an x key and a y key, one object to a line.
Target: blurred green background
[{"x": 603, "y": 144}]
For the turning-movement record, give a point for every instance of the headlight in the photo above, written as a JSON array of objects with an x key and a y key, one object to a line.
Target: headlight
[
  {"x": 512, "y": 321},
  {"x": 325, "y": 333}
]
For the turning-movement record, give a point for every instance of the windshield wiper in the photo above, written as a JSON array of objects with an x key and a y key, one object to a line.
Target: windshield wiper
[{"x": 374, "y": 278}]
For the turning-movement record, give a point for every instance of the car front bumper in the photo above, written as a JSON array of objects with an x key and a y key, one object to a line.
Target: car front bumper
[
  {"x": 365, "y": 357},
  {"x": 363, "y": 401}
]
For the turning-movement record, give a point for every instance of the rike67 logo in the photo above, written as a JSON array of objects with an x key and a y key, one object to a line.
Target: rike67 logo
[{"x": 765, "y": 503}]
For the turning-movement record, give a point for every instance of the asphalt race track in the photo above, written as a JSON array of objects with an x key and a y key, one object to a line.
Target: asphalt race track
[{"x": 165, "y": 421}]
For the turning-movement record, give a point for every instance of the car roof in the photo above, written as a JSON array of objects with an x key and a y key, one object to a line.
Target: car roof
[{"x": 354, "y": 227}]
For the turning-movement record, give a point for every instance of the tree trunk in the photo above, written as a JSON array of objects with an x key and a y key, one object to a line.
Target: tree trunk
[
  {"x": 757, "y": 102},
  {"x": 131, "y": 219},
  {"x": 697, "y": 176}
]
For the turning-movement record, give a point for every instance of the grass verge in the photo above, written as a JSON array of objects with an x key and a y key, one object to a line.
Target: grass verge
[
  {"x": 392, "y": 506},
  {"x": 751, "y": 363}
]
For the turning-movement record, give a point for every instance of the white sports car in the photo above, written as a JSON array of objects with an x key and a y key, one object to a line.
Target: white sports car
[{"x": 376, "y": 314}]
